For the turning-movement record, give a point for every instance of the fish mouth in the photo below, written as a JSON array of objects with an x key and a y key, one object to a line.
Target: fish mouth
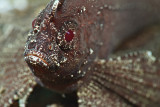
[{"x": 36, "y": 58}]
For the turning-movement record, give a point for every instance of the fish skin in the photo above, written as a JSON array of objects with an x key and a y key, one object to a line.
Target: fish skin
[
  {"x": 52, "y": 58},
  {"x": 113, "y": 40}
]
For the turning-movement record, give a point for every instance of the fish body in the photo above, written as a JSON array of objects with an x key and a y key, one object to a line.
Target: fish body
[
  {"x": 67, "y": 38},
  {"x": 64, "y": 48}
]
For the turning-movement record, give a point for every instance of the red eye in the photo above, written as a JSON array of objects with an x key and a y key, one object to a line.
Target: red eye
[
  {"x": 33, "y": 23},
  {"x": 69, "y": 35}
]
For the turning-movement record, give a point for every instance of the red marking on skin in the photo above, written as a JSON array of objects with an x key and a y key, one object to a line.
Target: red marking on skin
[
  {"x": 50, "y": 47},
  {"x": 33, "y": 23},
  {"x": 38, "y": 57},
  {"x": 69, "y": 35}
]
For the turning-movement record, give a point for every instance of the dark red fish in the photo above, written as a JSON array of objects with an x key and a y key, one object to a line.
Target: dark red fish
[
  {"x": 66, "y": 38},
  {"x": 65, "y": 45}
]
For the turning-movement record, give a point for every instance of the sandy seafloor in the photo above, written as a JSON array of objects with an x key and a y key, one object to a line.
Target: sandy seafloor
[{"x": 18, "y": 21}]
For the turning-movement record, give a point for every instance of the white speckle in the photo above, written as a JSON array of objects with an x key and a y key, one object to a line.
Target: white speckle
[
  {"x": 83, "y": 8},
  {"x": 55, "y": 5},
  {"x": 109, "y": 7},
  {"x": 91, "y": 51},
  {"x": 98, "y": 12},
  {"x": 22, "y": 105},
  {"x": 58, "y": 64},
  {"x": 89, "y": 103},
  {"x": 101, "y": 26},
  {"x": 74, "y": 33},
  {"x": 15, "y": 97},
  {"x": 131, "y": 54},
  {"x": 2, "y": 90},
  {"x": 10, "y": 101},
  {"x": 33, "y": 40},
  {"x": 110, "y": 59},
  {"x": 135, "y": 53},
  {"x": 149, "y": 53},
  {"x": 79, "y": 101},
  {"x": 119, "y": 58},
  {"x": 35, "y": 60},
  {"x": 6, "y": 105},
  {"x": 79, "y": 71},
  {"x": 71, "y": 75},
  {"x": 30, "y": 89},
  {"x": 101, "y": 8},
  {"x": 85, "y": 62},
  {"x": 64, "y": 60},
  {"x": 63, "y": 95},
  {"x": 30, "y": 81},
  {"x": 100, "y": 43},
  {"x": 102, "y": 61},
  {"x": 105, "y": 5},
  {"x": 126, "y": 55},
  {"x": 21, "y": 90}
]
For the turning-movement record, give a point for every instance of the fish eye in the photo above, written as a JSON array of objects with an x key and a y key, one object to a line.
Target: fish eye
[{"x": 67, "y": 36}]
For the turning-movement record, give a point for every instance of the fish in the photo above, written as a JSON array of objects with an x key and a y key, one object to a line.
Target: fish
[{"x": 69, "y": 46}]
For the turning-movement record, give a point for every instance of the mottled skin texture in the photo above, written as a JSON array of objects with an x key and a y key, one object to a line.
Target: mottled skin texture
[
  {"x": 99, "y": 27},
  {"x": 62, "y": 62}
]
